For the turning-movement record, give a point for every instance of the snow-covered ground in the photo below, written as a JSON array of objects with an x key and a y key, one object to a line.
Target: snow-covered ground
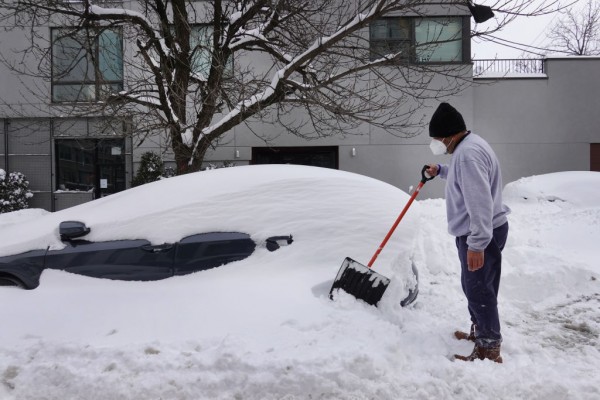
[{"x": 263, "y": 328}]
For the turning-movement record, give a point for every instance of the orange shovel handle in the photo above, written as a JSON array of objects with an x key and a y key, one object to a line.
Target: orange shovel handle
[{"x": 391, "y": 232}]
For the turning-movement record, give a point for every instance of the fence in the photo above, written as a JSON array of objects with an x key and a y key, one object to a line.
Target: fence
[{"x": 509, "y": 66}]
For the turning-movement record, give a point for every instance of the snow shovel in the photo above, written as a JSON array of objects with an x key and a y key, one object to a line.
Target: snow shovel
[
  {"x": 480, "y": 13},
  {"x": 361, "y": 281}
]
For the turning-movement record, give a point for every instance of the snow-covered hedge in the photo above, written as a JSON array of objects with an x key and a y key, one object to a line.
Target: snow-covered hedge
[
  {"x": 14, "y": 191},
  {"x": 226, "y": 164},
  {"x": 152, "y": 168}
]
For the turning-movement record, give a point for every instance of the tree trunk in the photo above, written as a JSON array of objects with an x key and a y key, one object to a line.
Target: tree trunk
[{"x": 183, "y": 154}]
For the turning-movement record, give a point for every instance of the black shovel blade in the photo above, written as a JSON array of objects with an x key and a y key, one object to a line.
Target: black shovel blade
[{"x": 360, "y": 281}]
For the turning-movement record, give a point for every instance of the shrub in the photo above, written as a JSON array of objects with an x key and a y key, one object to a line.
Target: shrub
[
  {"x": 226, "y": 164},
  {"x": 14, "y": 191},
  {"x": 151, "y": 169}
]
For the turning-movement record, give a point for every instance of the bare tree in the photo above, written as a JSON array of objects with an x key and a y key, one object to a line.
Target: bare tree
[
  {"x": 578, "y": 31},
  {"x": 200, "y": 68}
]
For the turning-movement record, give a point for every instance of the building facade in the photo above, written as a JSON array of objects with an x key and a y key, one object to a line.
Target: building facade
[{"x": 537, "y": 121}]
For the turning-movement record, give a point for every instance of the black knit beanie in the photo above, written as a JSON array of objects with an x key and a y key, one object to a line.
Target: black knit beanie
[{"x": 446, "y": 121}]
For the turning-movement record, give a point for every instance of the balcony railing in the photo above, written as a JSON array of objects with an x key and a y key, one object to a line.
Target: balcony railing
[{"x": 501, "y": 67}]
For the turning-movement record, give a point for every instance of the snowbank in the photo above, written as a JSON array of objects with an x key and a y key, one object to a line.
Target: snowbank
[{"x": 264, "y": 328}]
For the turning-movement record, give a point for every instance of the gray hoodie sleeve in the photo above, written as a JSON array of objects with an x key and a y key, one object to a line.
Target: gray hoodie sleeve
[{"x": 443, "y": 171}]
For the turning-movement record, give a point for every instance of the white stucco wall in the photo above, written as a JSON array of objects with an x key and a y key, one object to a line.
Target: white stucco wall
[{"x": 542, "y": 125}]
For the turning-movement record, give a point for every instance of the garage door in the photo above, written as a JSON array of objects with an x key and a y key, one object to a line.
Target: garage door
[{"x": 317, "y": 156}]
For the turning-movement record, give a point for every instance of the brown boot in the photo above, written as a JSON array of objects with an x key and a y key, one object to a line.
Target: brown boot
[
  {"x": 460, "y": 335},
  {"x": 482, "y": 353}
]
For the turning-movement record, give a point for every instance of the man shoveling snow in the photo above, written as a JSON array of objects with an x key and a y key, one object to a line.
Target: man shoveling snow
[{"x": 477, "y": 218}]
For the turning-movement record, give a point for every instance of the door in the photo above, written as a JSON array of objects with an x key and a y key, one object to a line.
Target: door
[
  {"x": 595, "y": 157},
  {"x": 210, "y": 250},
  {"x": 110, "y": 166},
  {"x": 131, "y": 260},
  {"x": 96, "y": 166}
]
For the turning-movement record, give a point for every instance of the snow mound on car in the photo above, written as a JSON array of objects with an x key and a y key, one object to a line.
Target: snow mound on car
[
  {"x": 331, "y": 214},
  {"x": 579, "y": 188}
]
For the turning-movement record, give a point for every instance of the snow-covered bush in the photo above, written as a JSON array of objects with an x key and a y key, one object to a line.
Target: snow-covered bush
[
  {"x": 14, "y": 191},
  {"x": 226, "y": 164},
  {"x": 152, "y": 168}
]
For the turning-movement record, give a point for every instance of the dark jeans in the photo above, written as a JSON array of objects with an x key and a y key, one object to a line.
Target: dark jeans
[{"x": 481, "y": 288}]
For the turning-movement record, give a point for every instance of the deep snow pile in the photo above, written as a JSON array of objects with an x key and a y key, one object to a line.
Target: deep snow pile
[{"x": 263, "y": 328}]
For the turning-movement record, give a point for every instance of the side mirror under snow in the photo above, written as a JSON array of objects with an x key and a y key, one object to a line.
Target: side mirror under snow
[{"x": 72, "y": 229}]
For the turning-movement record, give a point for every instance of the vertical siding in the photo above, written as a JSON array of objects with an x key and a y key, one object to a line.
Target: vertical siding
[{"x": 29, "y": 152}]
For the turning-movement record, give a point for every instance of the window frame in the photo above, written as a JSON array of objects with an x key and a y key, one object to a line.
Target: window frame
[
  {"x": 97, "y": 82},
  {"x": 413, "y": 58}
]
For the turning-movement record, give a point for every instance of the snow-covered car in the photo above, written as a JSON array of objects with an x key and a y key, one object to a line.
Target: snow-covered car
[{"x": 208, "y": 219}]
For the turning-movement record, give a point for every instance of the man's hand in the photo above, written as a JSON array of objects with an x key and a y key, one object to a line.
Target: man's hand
[
  {"x": 475, "y": 260},
  {"x": 433, "y": 170}
]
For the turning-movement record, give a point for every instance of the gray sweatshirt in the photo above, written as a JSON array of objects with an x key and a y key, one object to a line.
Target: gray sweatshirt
[{"x": 474, "y": 192}]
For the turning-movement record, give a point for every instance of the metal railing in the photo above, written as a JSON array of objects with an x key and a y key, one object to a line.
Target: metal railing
[{"x": 509, "y": 66}]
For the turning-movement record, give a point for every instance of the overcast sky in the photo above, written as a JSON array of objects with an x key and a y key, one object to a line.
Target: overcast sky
[{"x": 530, "y": 31}]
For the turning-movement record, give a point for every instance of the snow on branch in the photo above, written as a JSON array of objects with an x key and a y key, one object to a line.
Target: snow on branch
[{"x": 319, "y": 46}]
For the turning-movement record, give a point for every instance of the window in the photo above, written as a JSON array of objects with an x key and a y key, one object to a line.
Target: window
[
  {"x": 200, "y": 43},
  {"x": 90, "y": 165},
  {"x": 438, "y": 39},
  {"x": 422, "y": 40},
  {"x": 201, "y": 37},
  {"x": 86, "y": 65},
  {"x": 389, "y": 36}
]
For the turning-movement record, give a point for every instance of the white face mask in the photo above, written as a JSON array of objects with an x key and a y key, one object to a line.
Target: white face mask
[{"x": 437, "y": 147}]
